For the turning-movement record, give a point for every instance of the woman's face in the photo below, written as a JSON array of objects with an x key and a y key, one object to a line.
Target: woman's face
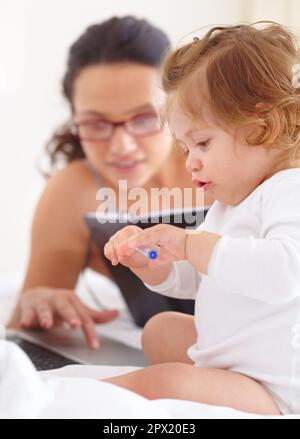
[{"x": 118, "y": 93}]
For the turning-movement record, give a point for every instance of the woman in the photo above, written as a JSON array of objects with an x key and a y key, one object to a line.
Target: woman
[{"x": 111, "y": 78}]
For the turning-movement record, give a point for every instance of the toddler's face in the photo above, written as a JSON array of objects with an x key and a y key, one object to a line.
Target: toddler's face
[{"x": 221, "y": 158}]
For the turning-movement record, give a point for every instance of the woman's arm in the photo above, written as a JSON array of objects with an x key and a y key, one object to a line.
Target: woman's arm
[{"x": 58, "y": 249}]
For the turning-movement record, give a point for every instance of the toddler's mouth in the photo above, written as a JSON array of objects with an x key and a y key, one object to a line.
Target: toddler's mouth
[{"x": 202, "y": 184}]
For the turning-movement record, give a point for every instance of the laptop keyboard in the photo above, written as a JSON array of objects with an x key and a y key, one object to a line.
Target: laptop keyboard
[{"x": 42, "y": 358}]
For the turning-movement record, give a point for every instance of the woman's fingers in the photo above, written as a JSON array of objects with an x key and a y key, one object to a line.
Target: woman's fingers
[
  {"x": 44, "y": 314},
  {"x": 87, "y": 324},
  {"x": 28, "y": 318},
  {"x": 67, "y": 312},
  {"x": 55, "y": 308},
  {"x": 103, "y": 316},
  {"x": 89, "y": 330},
  {"x": 63, "y": 307}
]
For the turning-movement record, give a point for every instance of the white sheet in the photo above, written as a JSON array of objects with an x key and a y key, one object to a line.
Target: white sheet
[
  {"x": 69, "y": 393},
  {"x": 75, "y": 391}
]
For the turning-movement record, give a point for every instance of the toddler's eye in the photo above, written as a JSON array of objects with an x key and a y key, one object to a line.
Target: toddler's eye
[{"x": 203, "y": 145}]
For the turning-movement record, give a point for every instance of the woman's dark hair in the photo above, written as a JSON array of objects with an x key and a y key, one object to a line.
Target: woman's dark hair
[{"x": 125, "y": 39}]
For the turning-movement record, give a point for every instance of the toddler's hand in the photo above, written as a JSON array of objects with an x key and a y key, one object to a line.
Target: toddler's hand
[
  {"x": 167, "y": 240},
  {"x": 111, "y": 249}
]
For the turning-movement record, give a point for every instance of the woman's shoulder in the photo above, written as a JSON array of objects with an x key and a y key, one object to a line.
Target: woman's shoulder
[
  {"x": 77, "y": 170},
  {"x": 72, "y": 187}
]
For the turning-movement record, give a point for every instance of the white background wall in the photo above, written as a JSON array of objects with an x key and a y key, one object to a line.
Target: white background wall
[{"x": 34, "y": 38}]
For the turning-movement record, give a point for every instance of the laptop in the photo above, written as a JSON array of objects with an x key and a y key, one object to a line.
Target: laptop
[{"x": 62, "y": 347}]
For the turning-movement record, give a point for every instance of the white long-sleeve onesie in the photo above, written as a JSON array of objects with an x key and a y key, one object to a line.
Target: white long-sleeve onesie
[{"x": 247, "y": 309}]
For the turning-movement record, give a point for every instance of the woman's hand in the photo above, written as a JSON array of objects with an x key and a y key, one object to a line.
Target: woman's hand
[
  {"x": 167, "y": 240},
  {"x": 45, "y": 308}
]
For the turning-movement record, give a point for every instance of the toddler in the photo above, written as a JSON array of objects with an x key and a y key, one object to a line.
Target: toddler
[{"x": 233, "y": 106}]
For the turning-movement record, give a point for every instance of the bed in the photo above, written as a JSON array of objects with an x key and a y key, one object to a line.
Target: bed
[{"x": 75, "y": 391}]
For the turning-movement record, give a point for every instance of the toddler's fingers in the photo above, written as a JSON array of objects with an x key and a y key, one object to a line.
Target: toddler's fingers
[
  {"x": 122, "y": 248},
  {"x": 127, "y": 246},
  {"x": 124, "y": 261},
  {"x": 109, "y": 252},
  {"x": 145, "y": 239}
]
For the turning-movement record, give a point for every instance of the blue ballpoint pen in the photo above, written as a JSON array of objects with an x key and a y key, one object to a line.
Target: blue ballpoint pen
[{"x": 148, "y": 252}]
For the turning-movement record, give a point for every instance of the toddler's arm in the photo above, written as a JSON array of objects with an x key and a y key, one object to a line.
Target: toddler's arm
[
  {"x": 182, "y": 281},
  {"x": 152, "y": 277}
]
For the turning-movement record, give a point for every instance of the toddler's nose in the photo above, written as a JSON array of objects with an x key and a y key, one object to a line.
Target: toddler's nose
[{"x": 193, "y": 164}]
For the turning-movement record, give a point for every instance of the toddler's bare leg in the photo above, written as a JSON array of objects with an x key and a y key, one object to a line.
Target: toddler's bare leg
[
  {"x": 209, "y": 386},
  {"x": 166, "y": 337}
]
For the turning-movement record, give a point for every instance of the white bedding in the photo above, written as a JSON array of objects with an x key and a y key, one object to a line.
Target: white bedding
[{"x": 75, "y": 391}]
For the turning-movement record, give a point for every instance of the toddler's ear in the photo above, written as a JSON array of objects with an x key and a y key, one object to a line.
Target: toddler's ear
[{"x": 271, "y": 121}]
